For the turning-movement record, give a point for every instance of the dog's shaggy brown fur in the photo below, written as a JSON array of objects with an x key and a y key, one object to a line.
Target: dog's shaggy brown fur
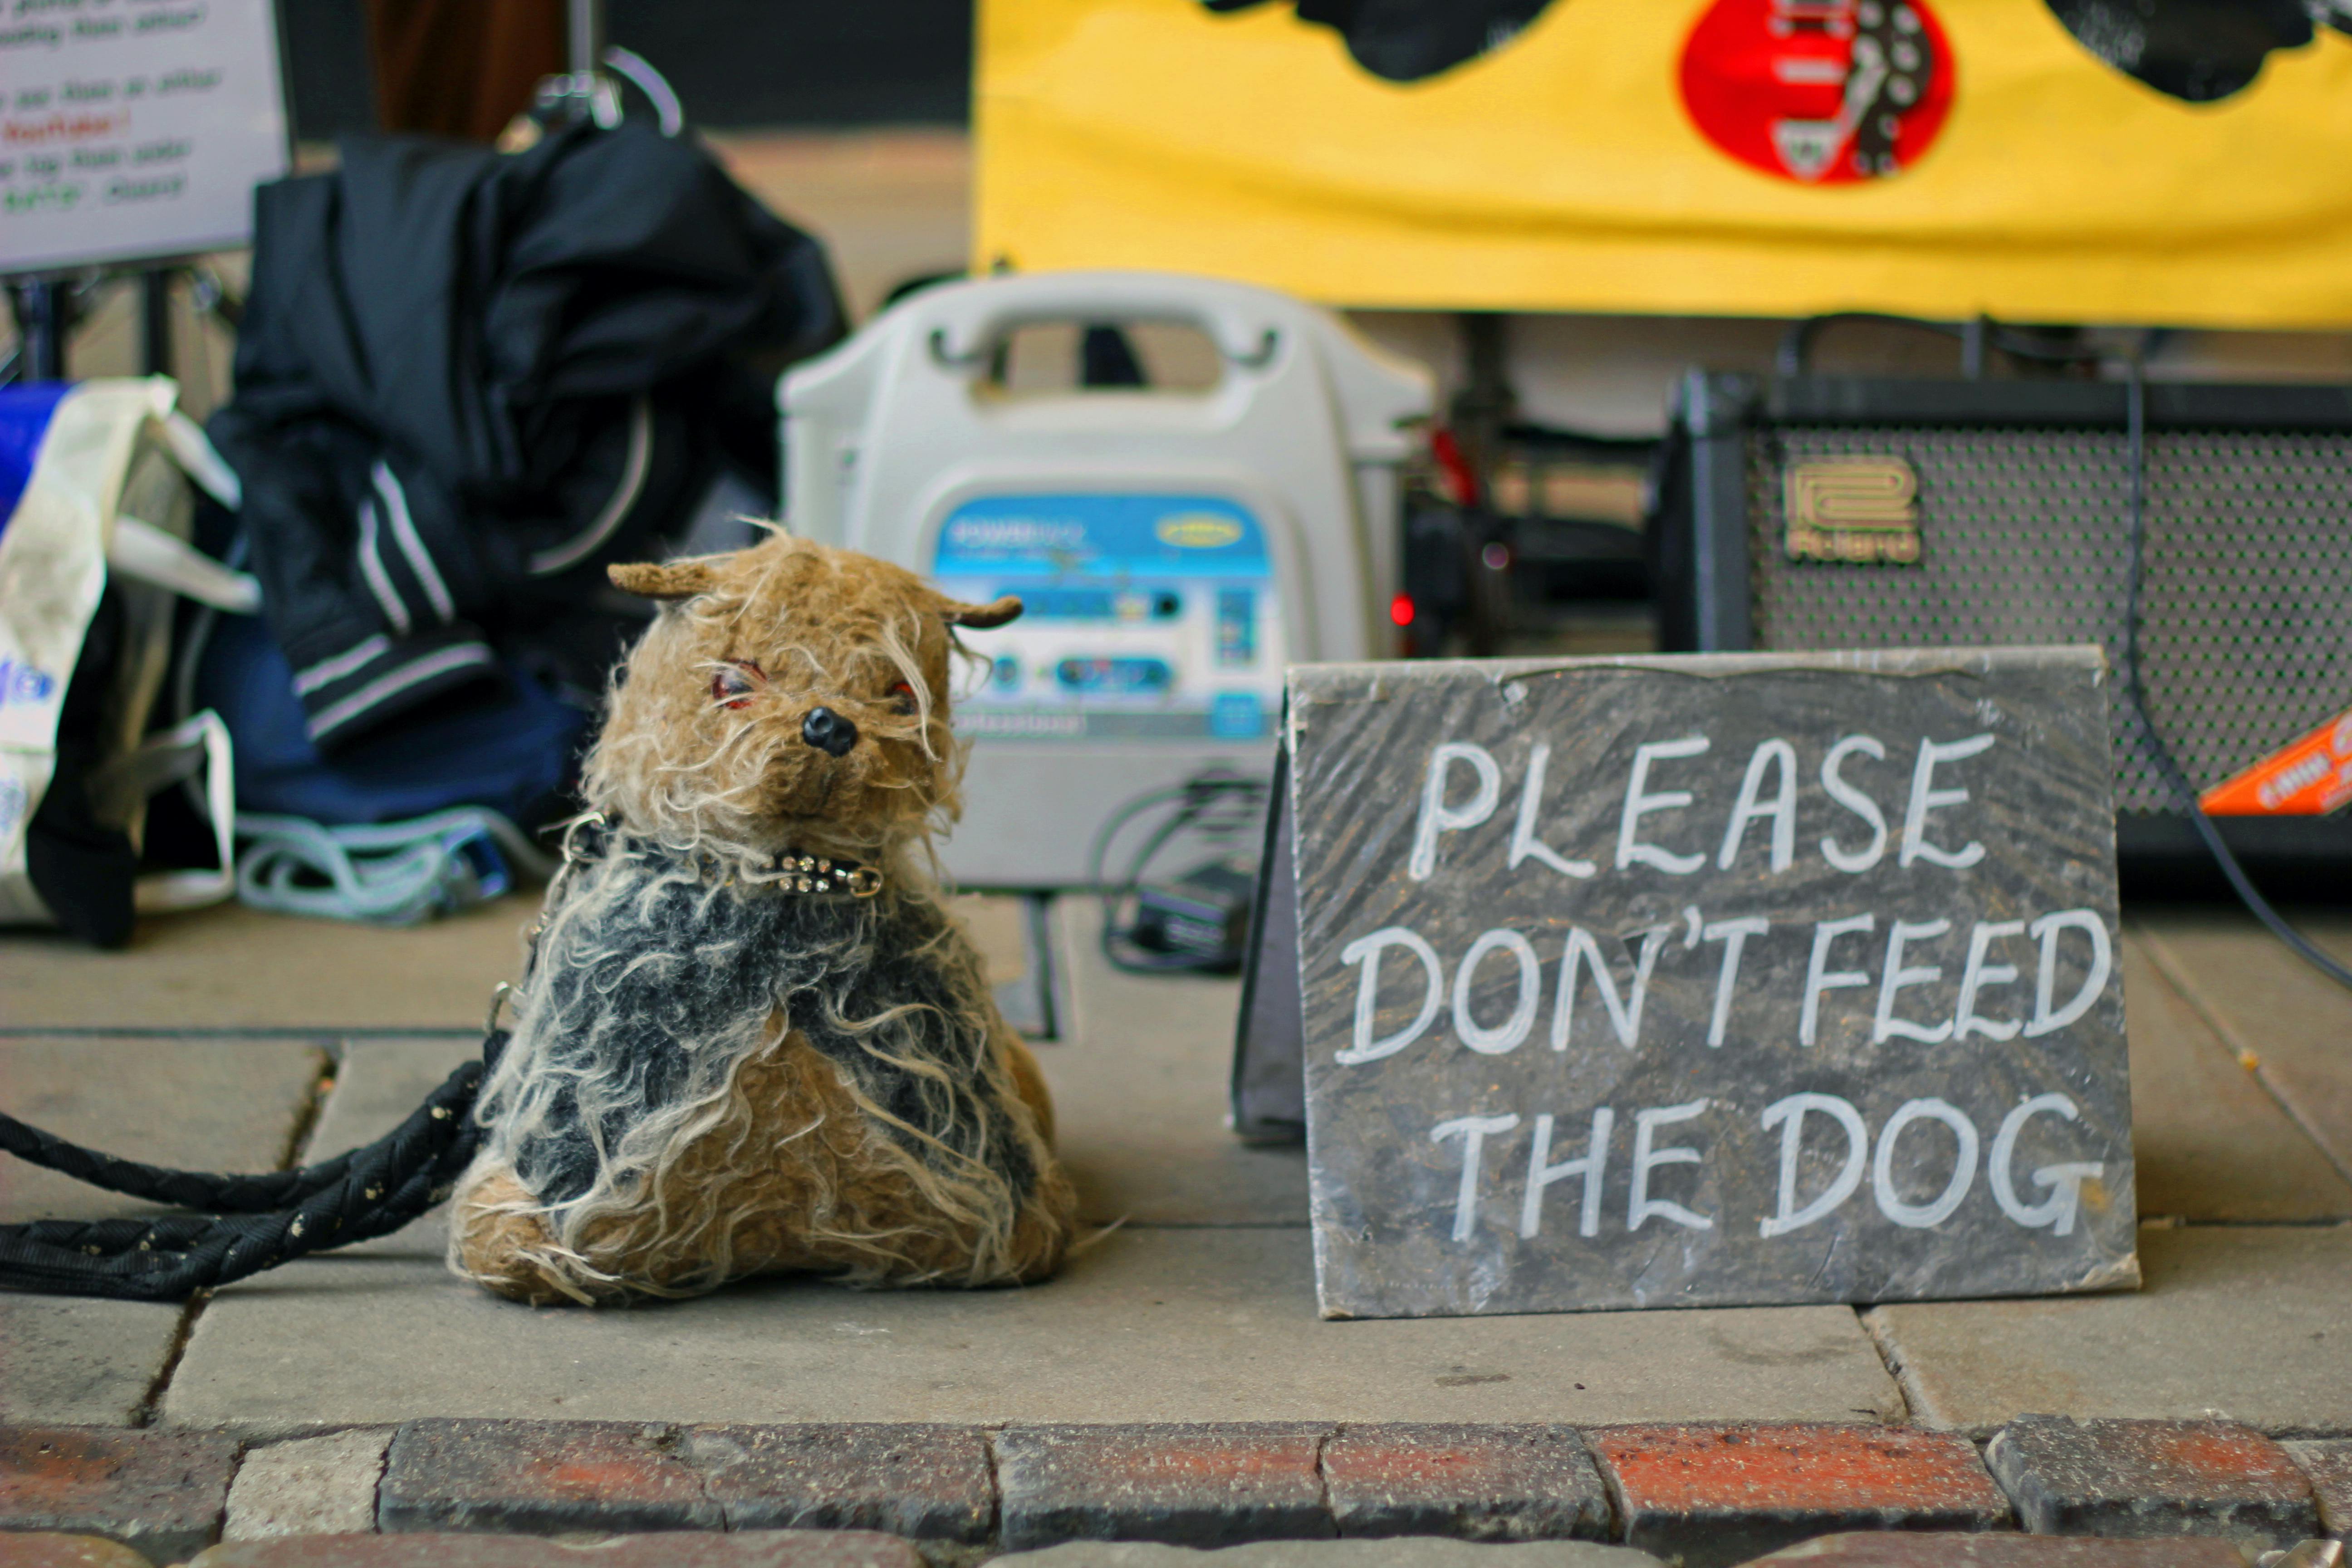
[{"x": 713, "y": 1075}]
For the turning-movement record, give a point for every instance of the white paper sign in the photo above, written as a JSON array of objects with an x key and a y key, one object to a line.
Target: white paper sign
[{"x": 131, "y": 129}]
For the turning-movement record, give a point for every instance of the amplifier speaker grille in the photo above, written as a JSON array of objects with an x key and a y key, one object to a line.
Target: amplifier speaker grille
[{"x": 2248, "y": 582}]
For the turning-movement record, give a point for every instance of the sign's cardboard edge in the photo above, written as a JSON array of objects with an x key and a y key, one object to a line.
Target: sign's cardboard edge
[{"x": 1266, "y": 945}]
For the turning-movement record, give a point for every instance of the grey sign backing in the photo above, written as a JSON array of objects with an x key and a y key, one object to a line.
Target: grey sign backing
[{"x": 1698, "y": 981}]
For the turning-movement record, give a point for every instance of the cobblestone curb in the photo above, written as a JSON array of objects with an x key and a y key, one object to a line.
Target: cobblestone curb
[
  {"x": 1473, "y": 1483},
  {"x": 926, "y": 1483},
  {"x": 2125, "y": 1478},
  {"x": 540, "y": 1478},
  {"x": 47, "y": 1549},
  {"x": 159, "y": 1493},
  {"x": 309, "y": 1486},
  {"x": 1199, "y": 1485},
  {"x": 1713, "y": 1495},
  {"x": 673, "y": 1549},
  {"x": 1716, "y": 1495},
  {"x": 2329, "y": 1466},
  {"x": 1906, "y": 1549}
]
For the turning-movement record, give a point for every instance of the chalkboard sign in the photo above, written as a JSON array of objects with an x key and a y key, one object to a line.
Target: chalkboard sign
[
  {"x": 134, "y": 130},
  {"x": 1700, "y": 981}
]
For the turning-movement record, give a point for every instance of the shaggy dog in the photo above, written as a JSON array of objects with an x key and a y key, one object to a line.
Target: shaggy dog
[{"x": 749, "y": 1038}]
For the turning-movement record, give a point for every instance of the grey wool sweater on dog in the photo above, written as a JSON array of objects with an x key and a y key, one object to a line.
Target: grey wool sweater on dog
[{"x": 656, "y": 975}]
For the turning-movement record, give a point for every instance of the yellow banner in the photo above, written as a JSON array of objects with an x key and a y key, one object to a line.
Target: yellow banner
[{"x": 1943, "y": 158}]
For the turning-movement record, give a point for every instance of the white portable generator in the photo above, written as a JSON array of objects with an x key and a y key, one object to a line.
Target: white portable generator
[{"x": 1175, "y": 549}]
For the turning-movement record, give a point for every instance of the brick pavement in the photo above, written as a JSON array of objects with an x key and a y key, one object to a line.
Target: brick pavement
[{"x": 1707, "y": 1496}]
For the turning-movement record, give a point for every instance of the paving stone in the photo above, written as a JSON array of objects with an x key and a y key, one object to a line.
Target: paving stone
[
  {"x": 2248, "y": 1323},
  {"x": 2131, "y": 1478},
  {"x": 231, "y": 967},
  {"x": 208, "y": 1105},
  {"x": 926, "y": 1482},
  {"x": 315, "y": 1486},
  {"x": 160, "y": 1493},
  {"x": 47, "y": 1549},
  {"x": 2210, "y": 1142},
  {"x": 378, "y": 1083},
  {"x": 681, "y": 1549},
  {"x": 1405, "y": 1551},
  {"x": 1149, "y": 1325},
  {"x": 1200, "y": 1485},
  {"x": 1904, "y": 1549},
  {"x": 2329, "y": 1466},
  {"x": 69, "y": 1361},
  {"x": 1716, "y": 1494},
  {"x": 539, "y": 1477},
  {"x": 2270, "y": 1006},
  {"x": 1138, "y": 1085},
  {"x": 1479, "y": 1483}
]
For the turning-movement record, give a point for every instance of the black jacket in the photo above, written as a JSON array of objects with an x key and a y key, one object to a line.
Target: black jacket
[{"x": 466, "y": 380}]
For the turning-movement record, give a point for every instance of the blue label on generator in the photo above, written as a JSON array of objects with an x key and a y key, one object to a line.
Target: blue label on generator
[{"x": 1147, "y": 616}]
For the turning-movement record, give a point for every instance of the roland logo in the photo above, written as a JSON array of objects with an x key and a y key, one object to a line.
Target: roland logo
[
  {"x": 1199, "y": 531},
  {"x": 1856, "y": 510}
]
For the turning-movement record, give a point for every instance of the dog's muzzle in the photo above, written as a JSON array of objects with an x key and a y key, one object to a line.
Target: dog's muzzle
[{"x": 828, "y": 731}]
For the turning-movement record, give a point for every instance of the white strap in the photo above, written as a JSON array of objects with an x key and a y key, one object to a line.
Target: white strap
[
  {"x": 141, "y": 550},
  {"x": 162, "y": 891},
  {"x": 202, "y": 460}
]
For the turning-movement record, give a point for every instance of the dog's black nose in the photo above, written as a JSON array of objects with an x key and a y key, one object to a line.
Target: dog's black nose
[{"x": 828, "y": 731}]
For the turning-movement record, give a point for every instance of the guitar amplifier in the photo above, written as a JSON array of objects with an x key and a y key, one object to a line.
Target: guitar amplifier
[{"x": 1838, "y": 513}]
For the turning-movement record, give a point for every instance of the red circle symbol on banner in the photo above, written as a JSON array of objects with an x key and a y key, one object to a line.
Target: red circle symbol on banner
[{"x": 1824, "y": 92}]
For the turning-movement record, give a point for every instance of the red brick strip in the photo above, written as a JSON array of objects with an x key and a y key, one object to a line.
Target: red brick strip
[
  {"x": 928, "y": 1483},
  {"x": 159, "y": 1493},
  {"x": 1473, "y": 1483},
  {"x": 2131, "y": 1478},
  {"x": 1718, "y": 1495},
  {"x": 2329, "y": 1466},
  {"x": 539, "y": 1477},
  {"x": 678, "y": 1549},
  {"x": 1205, "y": 1484}
]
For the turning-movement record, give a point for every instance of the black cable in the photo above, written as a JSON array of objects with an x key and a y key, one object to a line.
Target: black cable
[
  {"x": 2167, "y": 768},
  {"x": 1213, "y": 804}
]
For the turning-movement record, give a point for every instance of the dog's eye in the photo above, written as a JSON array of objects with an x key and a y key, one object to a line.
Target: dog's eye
[
  {"x": 902, "y": 697},
  {"x": 731, "y": 687}
]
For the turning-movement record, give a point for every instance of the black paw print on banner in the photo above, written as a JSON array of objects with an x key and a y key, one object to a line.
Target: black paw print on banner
[
  {"x": 2195, "y": 50},
  {"x": 1409, "y": 40}
]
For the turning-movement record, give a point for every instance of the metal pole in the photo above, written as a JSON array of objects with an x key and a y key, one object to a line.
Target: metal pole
[
  {"x": 155, "y": 321},
  {"x": 587, "y": 37},
  {"x": 43, "y": 319}
]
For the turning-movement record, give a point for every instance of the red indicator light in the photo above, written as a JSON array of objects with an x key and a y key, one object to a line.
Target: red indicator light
[{"x": 1401, "y": 609}]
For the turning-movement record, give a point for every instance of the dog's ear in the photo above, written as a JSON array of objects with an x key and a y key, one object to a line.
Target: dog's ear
[
  {"x": 980, "y": 617},
  {"x": 670, "y": 580}
]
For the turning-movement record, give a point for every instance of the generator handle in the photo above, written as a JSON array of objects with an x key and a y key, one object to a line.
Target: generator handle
[{"x": 1243, "y": 331}]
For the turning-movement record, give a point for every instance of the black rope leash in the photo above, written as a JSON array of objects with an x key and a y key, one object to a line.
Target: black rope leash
[
  {"x": 248, "y": 1223},
  {"x": 255, "y": 1222}
]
